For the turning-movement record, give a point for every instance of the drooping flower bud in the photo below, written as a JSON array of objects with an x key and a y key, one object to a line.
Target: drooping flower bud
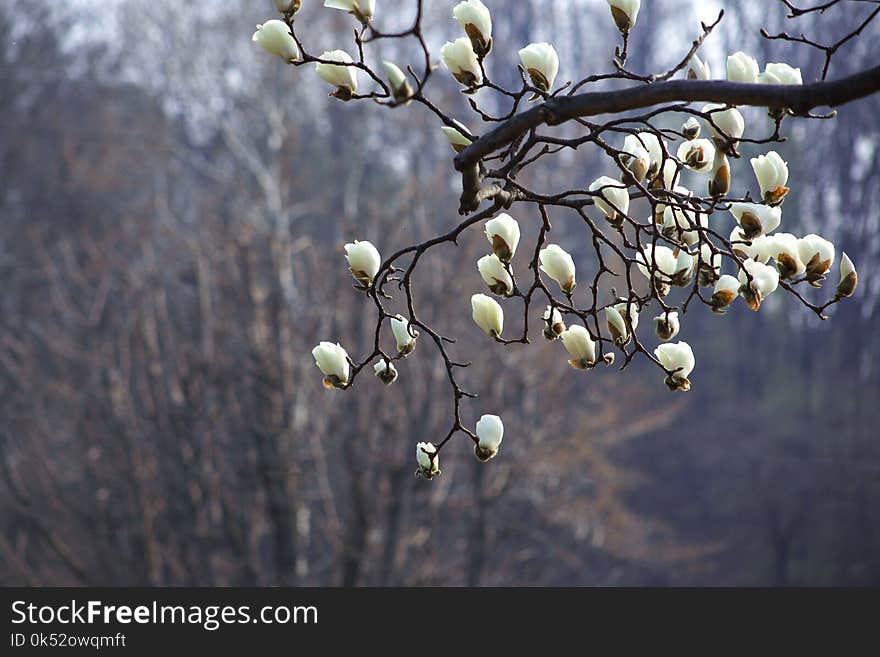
[
  {"x": 765, "y": 280},
  {"x": 476, "y": 20},
  {"x": 772, "y": 174},
  {"x": 580, "y": 346},
  {"x": 742, "y": 68},
  {"x": 364, "y": 261},
  {"x": 726, "y": 289},
  {"x": 404, "y": 335},
  {"x": 385, "y": 371},
  {"x": 457, "y": 138},
  {"x": 487, "y": 314},
  {"x": 503, "y": 234},
  {"x": 490, "y": 432},
  {"x": 401, "y": 89},
  {"x": 343, "y": 76},
  {"x": 698, "y": 69},
  {"x": 332, "y": 360},
  {"x": 691, "y": 129},
  {"x": 817, "y": 254},
  {"x": 611, "y": 197},
  {"x": 363, "y": 10},
  {"x": 495, "y": 275},
  {"x": 849, "y": 278},
  {"x": 697, "y": 155},
  {"x": 541, "y": 62},
  {"x": 678, "y": 361},
  {"x": 667, "y": 325},
  {"x": 624, "y": 13},
  {"x": 275, "y": 38},
  {"x": 553, "y": 324},
  {"x": 558, "y": 265},
  {"x": 461, "y": 60},
  {"x": 755, "y": 219},
  {"x": 428, "y": 460}
]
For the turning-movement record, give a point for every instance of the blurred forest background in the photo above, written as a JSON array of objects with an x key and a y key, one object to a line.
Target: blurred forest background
[{"x": 173, "y": 207}]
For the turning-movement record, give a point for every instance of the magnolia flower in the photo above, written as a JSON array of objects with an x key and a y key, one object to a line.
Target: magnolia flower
[
  {"x": 730, "y": 126},
  {"x": 625, "y": 13},
  {"x": 461, "y": 60},
  {"x": 332, "y": 360},
  {"x": 710, "y": 265},
  {"x": 765, "y": 279},
  {"x": 849, "y": 278},
  {"x": 344, "y": 78},
  {"x": 621, "y": 318},
  {"x": 658, "y": 263},
  {"x": 364, "y": 261},
  {"x": 726, "y": 289},
  {"x": 742, "y": 68},
  {"x": 635, "y": 157},
  {"x": 684, "y": 268},
  {"x": 678, "y": 361},
  {"x": 780, "y": 73},
  {"x": 691, "y": 129},
  {"x": 361, "y": 9},
  {"x": 487, "y": 314},
  {"x": 580, "y": 347},
  {"x": 784, "y": 249},
  {"x": 755, "y": 219},
  {"x": 667, "y": 325},
  {"x": 757, "y": 249},
  {"x": 457, "y": 137},
  {"x": 490, "y": 432},
  {"x": 541, "y": 62},
  {"x": 684, "y": 224},
  {"x": 503, "y": 234},
  {"x": 719, "y": 183},
  {"x": 403, "y": 335},
  {"x": 817, "y": 254},
  {"x": 275, "y": 38},
  {"x": 667, "y": 178},
  {"x": 697, "y": 154},
  {"x": 428, "y": 460},
  {"x": 553, "y": 324},
  {"x": 474, "y": 17},
  {"x": 772, "y": 174},
  {"x": 558, "y": 265},
  {"x": 611, "y": 197},
  {"x": 400, "y": 86},
  {"x": 386, "y": 371},
  {"x": 495, "y": 275},
  {"x": 698, "y": 69},
  {"x": 287, "y": 7}
]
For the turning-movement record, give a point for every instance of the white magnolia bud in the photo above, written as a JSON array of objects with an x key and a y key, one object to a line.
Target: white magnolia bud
[
  {"x": 461, "y": 60},
  {"x": 490, "y": 432},
  {"x": 667, "y": 179},
  {"x": 611, "y": 197},
  {"x": 344, "y": 78},
  {"x": 404, "y": 335},
  {"x": 635, "y": 157},
  {"x": 553, "y": 324},
  {"x": 474, "y": 17},
  {"x": 684, "y": 223},
  {"x": 780, "y": 73},
  {"x": 332, "y": 360},
  {"x": 698, "y": 69},
  {"x": 684, "y": 268},
  {"x": 817, "y": 254},
  {"x": 495, "y": 275},
  {"x": 386, "y": 371},
  {"x": 400, "y": 86},
  {"x": 726, "y": 289},
  {"x": 275, "y": 38},
  {"x": 541, "y": 62},
  {"x": 503, "y": 234},
  {"x": 730, "y": 122},
  {"x": 287, "y": 7},
  {"x": 620, "y": 319},
  {"x": 457, "y": 137},
  {"x": 719, "y": 182},
  {"x": 755, "y": 219},
  {"x": 659, "y": 263},
  {"x": 772, "y": 174},
  {"x": 624, "y": 13},
  {"x": 361, "y": 9},
  {"x": 677, "y": 359},
  {"x": 784, "y": 250},
  {"x": 428, "y": 460},
  {"x": 364, "y": 261},
  {"x": 742, "y": 68},
  {"x": 697, "y": 155},
  {"x": 487, "y": 314},
  {"x": 580, "y": 347},
  {"x": 667, "y": 325},
  {"x": 849, "y": 278},
  {"x": 558, "y": 265},
  {"x": 757, "y": 249},
  {"x": 691, "y": 129},
  {"x": 765, "y": 280},
  {"x": 710, "y": 265}
]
